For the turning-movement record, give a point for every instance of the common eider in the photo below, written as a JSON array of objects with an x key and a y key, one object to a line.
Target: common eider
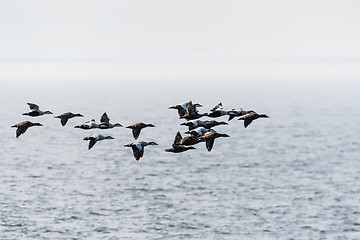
[
  {"x": 192, "y": 113},
  {"x": 210, "y": 138},
  {"x": 200, "y": 131},
  {"x": 182, "y": 107},
  {"x": 238, "y": 113},
  {"x": 136, "y": 128},
  {"x": 88, "y": 125},
  {"x": 23, "y": 126},
  {"x": 193, "y": 124},
  {"x": 186, "y": 141},
  {"x": 66, "y": 116},
  {"x": 217, "y": 111},
  {"x": 179, "y": 149},
  {"x": 138, "y": 148},
  {"x": 96, "y": 137},
  {"x": 213, "y": 123},
  {"x": 105, "y": 122},
  {"x": 35, "y": 111},
  {"x": 248, "y": 118},
  {"x": 206, "y": 124}
]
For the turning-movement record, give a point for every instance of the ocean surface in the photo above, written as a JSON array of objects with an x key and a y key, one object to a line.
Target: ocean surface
[{"x": 295, "y": 175}]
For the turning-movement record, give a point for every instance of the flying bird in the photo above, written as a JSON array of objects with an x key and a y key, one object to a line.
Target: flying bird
[
  {"x": 206, "y": 124},
  {"x": 105, "y": 122},
  {"x": 136, "y": 128},
  {"x": 179, "y": 149},
  {"x": 200, "y": 131},
  {"x": 88, "y": 125},
  {"x": 138, "y": 148},
  {"x": 192, "y": 113},
  {"x": 177, "y": 146},
  {"x": 35, "y": 111},
  {"x": 193, "y": 124},
  {"x": 95, "y": 138},
  {"x": 217, "y": 111},
  {"x": 213, "y": 123},
  {"x": 182, "y": 107},
  {"x": 210, "y": 138},
  {"x": 238, "y": 113},
  {"x": 66, "y": 116},
  {"x": 248, "y": 118},
  {"x": 186, "y": 141},
  {"x": 23, "y": 126}
]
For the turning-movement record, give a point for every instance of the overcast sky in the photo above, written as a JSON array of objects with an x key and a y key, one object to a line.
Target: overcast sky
[{"x": 160, "y": 33}]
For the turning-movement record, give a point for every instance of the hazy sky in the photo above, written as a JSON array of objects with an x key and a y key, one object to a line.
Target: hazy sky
[{"x": 79, "y": 37}]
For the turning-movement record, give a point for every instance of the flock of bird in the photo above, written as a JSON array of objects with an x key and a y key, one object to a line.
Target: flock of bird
[{"x": 199, "y": 131}]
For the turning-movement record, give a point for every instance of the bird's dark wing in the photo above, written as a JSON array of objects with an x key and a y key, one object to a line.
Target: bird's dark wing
[
  {"x": 64, "y": 120},
  {"x": 177, "y": 138},
  {"x": 92, "y": 142},
  {"x": 231, "y": 117},
  {"x": 210, "y": 143},
  {"x": 142, "y": 151},
  {"x": 190, "y": 108},
  {"x": 104, "y": 118},
  {"x": 247, "y": 121},
  {"x": 248, "y": 118},
  {"x": 181, "y": 112},
  {"x": 20, "y": 130},
  {"x": 137, "y": 153},
  {"x": 136, "y": 132}
]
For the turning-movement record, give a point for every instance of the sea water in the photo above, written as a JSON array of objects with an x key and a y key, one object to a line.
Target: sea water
[{"x": 294, "y": 175}]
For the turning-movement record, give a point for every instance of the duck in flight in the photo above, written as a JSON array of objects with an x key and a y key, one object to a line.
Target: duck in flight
[
  {"x": 213, "y": 123},
  {"x": 182, "y": 107},
  {"x": 179, "y": 142},
  {"x": 248, "y": 118},
  {"x": 192, "y": 113},
  {"x": 138, "y": 148},
  {"x": 136, "y": 128},
  {"x": 186, "y": 141},
  {"x": 23, "y": 126},
  {"x": 200, "y": 131},
  {"x": 217, "y": 111},
  {"x": 35, "y": 111},
  {"x": 105, "y": 122},
  {"x": 206, "y": 124},
  {"x": 179, "y": 148},
  {"x": 66, "y": 116},
  {"x": 238, "y": 113},
  {"x": 193, "y": 124},
  {"x": 94, "y": 138},
  {"x": 88, "y": 125},
  {"x": 210, "y": 138}
]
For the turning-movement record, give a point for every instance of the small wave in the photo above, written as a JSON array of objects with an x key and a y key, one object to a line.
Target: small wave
[
  {"x": 13, "y": 225},
  {"x": 97, "y": 214}
]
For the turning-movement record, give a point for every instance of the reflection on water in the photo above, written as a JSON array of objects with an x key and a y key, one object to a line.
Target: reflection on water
[{"x": 292, "y": 176}]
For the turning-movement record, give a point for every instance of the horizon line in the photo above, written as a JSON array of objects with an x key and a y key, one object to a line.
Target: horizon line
[{"x": 180, "y": 59}]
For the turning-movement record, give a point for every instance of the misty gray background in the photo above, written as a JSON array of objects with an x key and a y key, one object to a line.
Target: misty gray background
[{"x": 120, "y": 40}]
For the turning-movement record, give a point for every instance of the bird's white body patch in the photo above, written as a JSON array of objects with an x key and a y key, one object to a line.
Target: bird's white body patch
[
  {"x": 200, "y": 131},
  {"x": 96, "y": 136},
  {"x": 138, "y": 144},
  {"x": 91, "y": 124}
]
